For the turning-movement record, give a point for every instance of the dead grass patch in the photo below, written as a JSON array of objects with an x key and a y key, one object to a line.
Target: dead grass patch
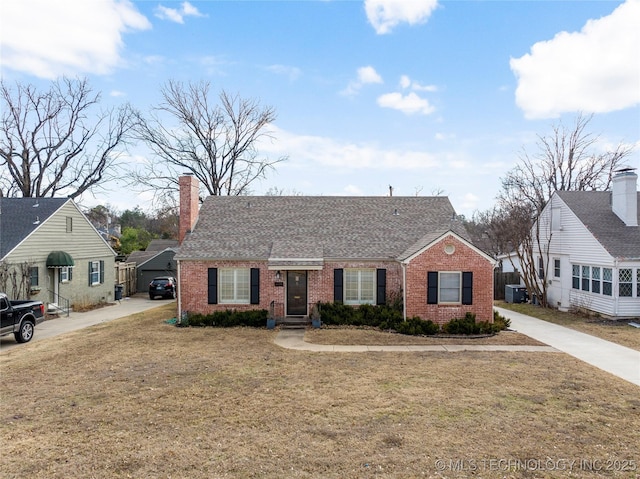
[
  {"x": 136, "y": 397},
  {"x": 347, "y": 335},
  {"x": 618, "y": 332}
]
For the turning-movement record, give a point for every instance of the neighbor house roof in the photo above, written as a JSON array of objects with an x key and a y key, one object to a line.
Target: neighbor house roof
[
  {"x": 310, "y": 229},
  {"x": 19, "y": 217},
  {"x": 161, "y": 244},
  {"x": 593, "y": 209}
]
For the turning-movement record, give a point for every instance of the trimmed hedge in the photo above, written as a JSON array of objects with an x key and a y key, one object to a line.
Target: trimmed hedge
[
  {"x": 227, "y": 319},
  {"x": 390, "y": 318}
]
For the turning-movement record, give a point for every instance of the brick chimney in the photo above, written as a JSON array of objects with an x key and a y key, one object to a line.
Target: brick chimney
[
  {"x": 189, "y": 190},
  {"x": 624, "y": 196}
]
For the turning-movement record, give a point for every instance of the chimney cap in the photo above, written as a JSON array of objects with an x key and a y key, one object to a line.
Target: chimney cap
[{"x": 625, "y": 171}]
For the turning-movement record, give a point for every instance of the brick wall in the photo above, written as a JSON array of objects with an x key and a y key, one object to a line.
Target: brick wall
[
  {"x": 193, "y": 283},
  {"x": 463, "y": 258},
  {"x": 189, "y": 202}
]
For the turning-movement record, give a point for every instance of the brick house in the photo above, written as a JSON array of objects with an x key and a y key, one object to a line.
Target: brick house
[{"x": 288, "y": 253}]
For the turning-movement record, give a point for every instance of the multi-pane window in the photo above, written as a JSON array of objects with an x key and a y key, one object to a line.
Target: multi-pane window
[
  {"x": 359, "y": 286},
  {"x": 65, "y": 273},
  {"x": 234, "y": 285},
  {"x": 94, "y": 274},
  {"x": 607, "y": 281},
  {"x": 34, "y": 281},
  {"x": 625, "y": 282},
  {"x": 595, "y": 279},
  {"x": 540, "y": 267},
  {"x": 556, "y": 268},
  {"x": 575, "y": 268},
  {"x": 449, "y": 286},
  {"x": 69, "y": 224},
  {"x": 585, "y": 278}
]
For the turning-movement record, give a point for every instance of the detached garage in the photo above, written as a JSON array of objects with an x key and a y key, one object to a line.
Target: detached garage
[{"x": 157, "y": 260}]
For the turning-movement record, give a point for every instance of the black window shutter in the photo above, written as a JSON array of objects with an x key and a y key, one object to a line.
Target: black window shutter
[
  {"x": 101, "y": 271},
  {"x": 467, "y": 287},
  {"x": 89, "y": 273},
  {"x": 381, "y": 288},
  {"x": 337, "y": 285},
  {"x": 432, "y": 287},
  {"x": 70, "y": 274},
  {"x": 212, "y": 289},
  {"x": 255, "y": 286}
]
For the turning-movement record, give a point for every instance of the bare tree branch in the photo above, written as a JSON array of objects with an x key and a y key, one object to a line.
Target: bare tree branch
[
  {"x": 52, "y": 142},
  {"x": 214, "y": 142}
]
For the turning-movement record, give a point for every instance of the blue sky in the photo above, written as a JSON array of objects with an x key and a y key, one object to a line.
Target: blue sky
[{"x": 423, "y": 95}]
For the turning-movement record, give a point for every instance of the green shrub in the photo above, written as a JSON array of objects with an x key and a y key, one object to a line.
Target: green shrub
[
  {"x": 228, "y": 319},
  {"x": 417, "y": 326},
  {"x": 468, "y": 325},
  {"x": 500, "y": 321}
]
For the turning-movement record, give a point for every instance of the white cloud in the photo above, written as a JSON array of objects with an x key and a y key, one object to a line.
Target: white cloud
[
  {"x": 595, "y": 70},
  {"x": 304, "y": 150},
  {"x": 406, "y": 82},
  {"x": 366, "y": 75},
  {"x": 292, "y": 72},
  {"x": 177, "y": 15},
  {"x": 66, "y": 37},
  {"x": 384, "y": 15},
  {"x": 408, "y": 104}
]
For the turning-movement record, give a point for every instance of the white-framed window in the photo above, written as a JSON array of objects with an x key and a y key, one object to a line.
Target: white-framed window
[
  {"x": 234, "y": 285},
  {"x": 540, "y": 267},
  {"x": 34, "y": 280},
  {"x": 69, "y": 224},
  {"x": 607, "y": 281},
  {"x": 449, "y": 287},
  {"x": 575, "y": 274},
  {"x": 65, "y": 274},
  {"x": 586, "y": 275},
  {"x": 94, "y": 272},
  {"x": 595, "y": 279},
  {"x": 359, "y": 286},
  {"x": 556, "y": 268},
  {"x": 625, "y": 282}
]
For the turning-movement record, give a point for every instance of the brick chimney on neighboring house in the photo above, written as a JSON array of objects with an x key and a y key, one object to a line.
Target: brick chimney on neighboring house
[
  {"x": 189, "y": 203},
  {"x": 624, "y": 196}
]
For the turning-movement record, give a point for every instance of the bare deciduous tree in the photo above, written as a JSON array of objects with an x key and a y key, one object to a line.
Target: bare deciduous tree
[
  {"x": 217, "y": 143},
  {"x": 57, "y": 142},
  {"x": 566, "y": 160}
]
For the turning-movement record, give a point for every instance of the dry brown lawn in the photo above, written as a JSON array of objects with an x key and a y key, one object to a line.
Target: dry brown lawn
[
  {"x": 618, "y": 332},
  {"x": 139, "y": 398}
]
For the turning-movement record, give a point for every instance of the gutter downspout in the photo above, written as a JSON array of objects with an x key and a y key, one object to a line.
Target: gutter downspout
[
  {"x": 179, "y": 318},
  {"x": 404, "y": 290}
]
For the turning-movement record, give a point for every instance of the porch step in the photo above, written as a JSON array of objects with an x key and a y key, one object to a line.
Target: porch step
[{"x": 295, "y": 322}]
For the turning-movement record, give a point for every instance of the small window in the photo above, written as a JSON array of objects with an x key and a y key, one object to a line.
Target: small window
[
  {"x": 556, "y": 268},
  {"x": 69, "y": 224},
  {"x": 4, "y": 304},
  {"x": 359, "y": 286},
  {"x": 34, "y": 280},
  {"x": 64, "y": 274},
  {"x": 625, "y": 282},
  {"x": 449, "y": 287},
  {"x": 540, "y": 267},
  {"x": 595, "y": 279},
  {"x": 607, "y": 281},
  {"x": 234, "y": 285},
  {"x": 96, "y": 272},
  {"x": 575, "y": 271}
]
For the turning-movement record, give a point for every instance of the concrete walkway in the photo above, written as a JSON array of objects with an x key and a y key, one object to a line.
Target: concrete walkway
[
  {"x": 294, "y": 339},
  {"x": 618, "y": 360},
  {"x": 75, "y": 320}
]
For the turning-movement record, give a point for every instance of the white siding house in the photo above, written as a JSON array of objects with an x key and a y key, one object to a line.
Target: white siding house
[{"x": 591, "y": 254}]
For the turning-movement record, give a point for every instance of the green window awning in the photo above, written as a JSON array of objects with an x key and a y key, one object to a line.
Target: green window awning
[{"x": 58, "y": 259}]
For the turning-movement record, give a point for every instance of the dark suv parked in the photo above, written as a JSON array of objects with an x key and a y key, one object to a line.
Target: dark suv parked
[{"x": 164, "y": 286}]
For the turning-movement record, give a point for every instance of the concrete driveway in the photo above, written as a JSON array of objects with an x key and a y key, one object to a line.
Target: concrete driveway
[
  {"x": 618, "y": 360},
  {"x": 64, "y": 324}
]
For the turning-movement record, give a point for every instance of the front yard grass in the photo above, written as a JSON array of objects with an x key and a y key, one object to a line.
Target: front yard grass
[
  {"x": 136, "y": 397},
  {"x": 617, "y": 331}
]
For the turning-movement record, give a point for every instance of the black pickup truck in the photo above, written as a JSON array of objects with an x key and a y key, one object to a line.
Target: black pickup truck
[{"x": 19, "y": 317}]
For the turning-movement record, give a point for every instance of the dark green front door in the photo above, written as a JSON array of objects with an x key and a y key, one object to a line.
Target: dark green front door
[{"x": 296, "y": 293}]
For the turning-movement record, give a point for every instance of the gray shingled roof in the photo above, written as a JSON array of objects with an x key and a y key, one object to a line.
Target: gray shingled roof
[
  {"x": 317, "y": 227},
  {"x": 593, "y": 208},
  {"x": 161, "y": 244},
  {"x": 18, "y": 218}
]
